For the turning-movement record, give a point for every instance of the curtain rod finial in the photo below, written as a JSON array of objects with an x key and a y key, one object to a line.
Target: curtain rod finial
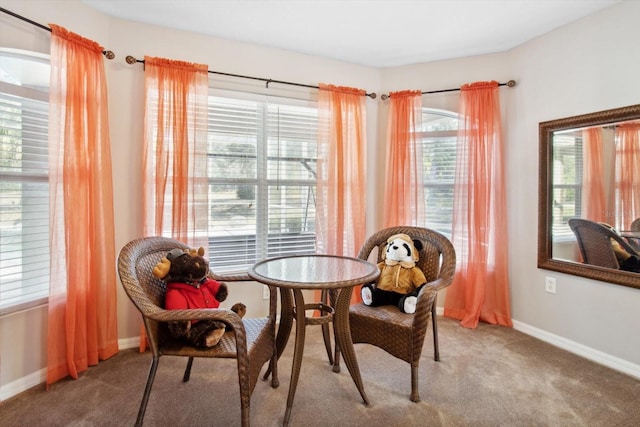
[
  {"x": 511, "y": 83},
  {"x": 384, "y": 97},
  {"x": 109, "y": 54},
  {"x": 130, "y": 59},
  {"x": 372, "y": 95}
]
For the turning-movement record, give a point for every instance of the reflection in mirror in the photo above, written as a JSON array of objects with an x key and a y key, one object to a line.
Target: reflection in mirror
[{"x": 590, "y": 169}]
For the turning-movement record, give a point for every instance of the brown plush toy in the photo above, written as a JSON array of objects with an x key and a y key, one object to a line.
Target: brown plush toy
[
  {"x": 400, "y": 280},
  {"x": 188, "y": 286}
]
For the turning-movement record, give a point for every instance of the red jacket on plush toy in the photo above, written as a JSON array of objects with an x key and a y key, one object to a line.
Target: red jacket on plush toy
[
  {"x": 201, "y": 295},
  {"x": 189, "y": 287}
]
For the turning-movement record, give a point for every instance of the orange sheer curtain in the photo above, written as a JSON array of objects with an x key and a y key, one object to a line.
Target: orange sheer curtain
[
  {"x": 480, "y": 291},
  {"x": 594, "y": 203},
  {"x": 340, "y": 204},
  {"x": 627, "y": 174},
  {"x": 403, "y": 192},
  {"x": 82, "y": 301},
  {"x": 175, "y": 151},
  {"x": 175, "y": 184}
]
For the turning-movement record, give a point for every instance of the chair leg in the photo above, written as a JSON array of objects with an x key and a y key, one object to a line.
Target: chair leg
[
  {"x": 434, "y": 322},
  {"x": 147, "y": 391},
  {"x": 415, "y": 393},
  {"x": 187, "y": 371},
  {"x": 286, "y": 323},
  {"x": 245, "y": 394}
]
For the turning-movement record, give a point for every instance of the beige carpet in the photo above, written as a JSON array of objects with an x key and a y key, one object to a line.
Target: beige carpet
[{"x": 491, "y": 376}]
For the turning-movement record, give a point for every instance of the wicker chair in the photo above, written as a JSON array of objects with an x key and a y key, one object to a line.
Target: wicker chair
[
  {"x": 634, "y": 242},
  {"x": 402, "y": 335},
  {"x": 251, "y": 341},
  {"x": 595, "y": 243}
]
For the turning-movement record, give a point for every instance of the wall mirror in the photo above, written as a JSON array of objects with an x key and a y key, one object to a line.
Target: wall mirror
[{"x": 571, "y": 186}]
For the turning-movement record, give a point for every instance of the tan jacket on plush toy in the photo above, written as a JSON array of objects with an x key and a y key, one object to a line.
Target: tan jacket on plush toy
[
  {"x": 400, "y": 274},
  {"x": 400, "y": 279}
]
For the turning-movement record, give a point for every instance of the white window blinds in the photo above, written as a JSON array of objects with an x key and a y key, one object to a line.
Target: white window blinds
[
  {"x": 439, "y": 129},
  {"x": 262, "y": 177},
  {"x": 566, "y": 191},
  {"x": 24, "y": 197}
]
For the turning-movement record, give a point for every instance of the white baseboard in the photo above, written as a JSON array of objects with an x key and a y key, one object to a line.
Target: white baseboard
[
  {"x": 22, "y": 384},
  {"x": 597, "y": 356},
  {"x": 40, "y": 377},
  {"x": 126, "y": 343}
]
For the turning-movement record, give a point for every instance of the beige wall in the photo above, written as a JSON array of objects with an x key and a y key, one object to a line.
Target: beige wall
[
  {"x": 583, "y": 67},
  {"x": 589, "y": 66},
  {"x": 586, "y": 66}
]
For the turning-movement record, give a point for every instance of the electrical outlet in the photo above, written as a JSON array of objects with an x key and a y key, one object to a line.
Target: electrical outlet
[
  {"x": 265, "y": 292},
  {"x": 550, "y": 284}
]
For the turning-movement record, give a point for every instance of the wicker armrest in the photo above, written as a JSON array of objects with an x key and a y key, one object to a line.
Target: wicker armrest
[
  {"x": 220, "y": 314},
  {"x": 231, "y": 277},
  {"x": 425, "y": 301},
  {"x": 437, "y": 284}
]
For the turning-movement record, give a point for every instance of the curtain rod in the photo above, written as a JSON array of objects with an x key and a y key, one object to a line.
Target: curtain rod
[
  {"x": 107, "y": 53},
  {"x": 132, "y": 60},
  {"x": 510, "y": 83}
]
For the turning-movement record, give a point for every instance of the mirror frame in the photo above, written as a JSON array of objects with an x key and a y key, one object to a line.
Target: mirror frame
[{"x": 545, "y": 260}]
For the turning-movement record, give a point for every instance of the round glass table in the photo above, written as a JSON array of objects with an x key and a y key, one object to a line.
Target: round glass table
[{"x": 326, "y": 273}]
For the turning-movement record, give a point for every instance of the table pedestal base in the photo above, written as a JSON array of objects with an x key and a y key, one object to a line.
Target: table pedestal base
[{"x": 327, "y": 316}]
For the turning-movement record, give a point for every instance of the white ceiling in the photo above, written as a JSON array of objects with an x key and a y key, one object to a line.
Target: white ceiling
[{"x": 377, "y": 33}]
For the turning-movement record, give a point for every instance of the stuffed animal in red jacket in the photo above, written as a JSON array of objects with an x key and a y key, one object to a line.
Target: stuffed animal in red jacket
[{"x": 188, "y": 286}]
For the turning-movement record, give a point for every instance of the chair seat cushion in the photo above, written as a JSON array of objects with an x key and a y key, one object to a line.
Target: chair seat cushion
[
  {"x": 385, "y": 327},
  {"x": 385, "y": 313},
  {"x": 257, "y": 331}
]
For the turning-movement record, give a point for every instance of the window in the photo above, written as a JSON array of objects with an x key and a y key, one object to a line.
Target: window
[
  {"x": 24, "y": 188},
  {"x": 439, "y": 136},
  {"x": 566, "y": 186},
  {"x": 262, "y": 156}
]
